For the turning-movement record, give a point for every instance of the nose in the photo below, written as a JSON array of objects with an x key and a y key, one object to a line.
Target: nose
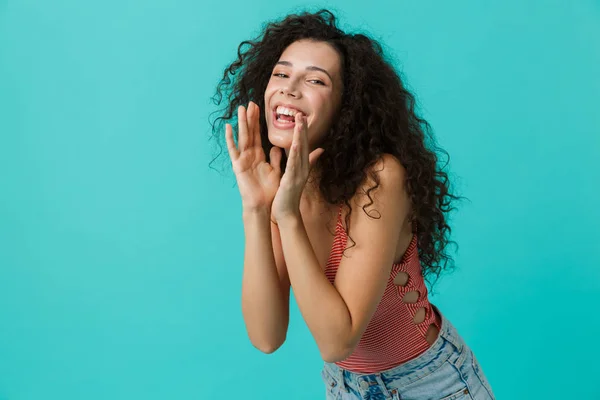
[
  {"x": 290, "y": 90},
  {"x": 287, "y": 92}
]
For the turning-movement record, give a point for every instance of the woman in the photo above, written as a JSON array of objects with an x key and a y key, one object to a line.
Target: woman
[{"x": 343, "y": 201}]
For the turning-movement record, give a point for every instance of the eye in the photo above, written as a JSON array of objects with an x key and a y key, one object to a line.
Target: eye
[
  {"x": 279, "y": 75},
  {"x": 317, "y": 81}
]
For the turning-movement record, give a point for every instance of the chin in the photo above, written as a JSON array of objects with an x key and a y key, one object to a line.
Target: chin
[{"x": 280, "y": 140}]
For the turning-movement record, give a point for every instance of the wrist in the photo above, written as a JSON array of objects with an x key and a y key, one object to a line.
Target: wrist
[
  {"x": 290, "y": 220},
  {"x": 256, "y": 212}
]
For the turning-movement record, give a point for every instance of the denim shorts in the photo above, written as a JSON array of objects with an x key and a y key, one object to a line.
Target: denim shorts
[{"x": 448, "y": 370}]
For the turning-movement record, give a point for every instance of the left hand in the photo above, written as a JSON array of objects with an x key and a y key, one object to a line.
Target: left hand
[{"x": 298, "y": 165}]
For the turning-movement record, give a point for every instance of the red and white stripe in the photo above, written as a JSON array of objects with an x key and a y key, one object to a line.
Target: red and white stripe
[{"x": 392, "y": 337}]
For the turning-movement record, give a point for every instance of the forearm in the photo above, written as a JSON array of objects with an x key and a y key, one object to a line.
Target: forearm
[
  {"x": 263, "y": 301},
  {"x": 321, "y": 305}
]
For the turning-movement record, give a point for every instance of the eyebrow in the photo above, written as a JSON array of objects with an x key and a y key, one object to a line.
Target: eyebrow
[{"x": 309, "y": 68}]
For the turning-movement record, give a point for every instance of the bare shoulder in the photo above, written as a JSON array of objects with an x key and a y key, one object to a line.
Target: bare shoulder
[
  {"x": 383, "y": 186},
  {"x": 390, "y": 170}
]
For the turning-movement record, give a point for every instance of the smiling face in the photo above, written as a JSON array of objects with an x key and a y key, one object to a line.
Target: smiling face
[{"x": 307, "y": 78}]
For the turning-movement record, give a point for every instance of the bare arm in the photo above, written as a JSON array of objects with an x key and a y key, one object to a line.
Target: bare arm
[
  {"x": 265, "y": 283},
  {"x": 337, "y": 315}
]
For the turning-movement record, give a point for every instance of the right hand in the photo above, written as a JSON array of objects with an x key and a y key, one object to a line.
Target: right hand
[{"x": 258, "y": 180}]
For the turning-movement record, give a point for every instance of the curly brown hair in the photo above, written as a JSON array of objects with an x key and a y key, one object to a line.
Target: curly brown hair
[{"x": 377, "y": 116}]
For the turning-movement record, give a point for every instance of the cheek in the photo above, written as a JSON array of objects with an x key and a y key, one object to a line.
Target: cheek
[
  {"x": 319, "y": 106},
  {"x": 269, "y": 87},
  {"x": 266, "y": 99},
  {"x": 324, "y": 114},
  {"x": 320, "y": 125}
]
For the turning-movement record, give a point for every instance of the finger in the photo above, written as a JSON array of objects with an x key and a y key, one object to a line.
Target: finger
[
  {"x": 242, "y": 129},
  {"x": 275, "y": 159},
  {"x": 314, "y": 155},
  {"x": 305, "y": 146},
  {"x": 293, "y": 156},
  {"x": 251, "y": 115},
  {"x": 295, "y": 136},
  {"x": 257, "y": 138},
  {"x": 233, "y": 151},
  {"x": 302, "y": 137}
]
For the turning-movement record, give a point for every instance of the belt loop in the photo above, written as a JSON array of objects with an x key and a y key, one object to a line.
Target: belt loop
[
  {"x": 463, "y": 355},
  {"x": 448, "y": 332},
  {"x": 386, "y": 393},
  {"x": 340, "y": 376}
]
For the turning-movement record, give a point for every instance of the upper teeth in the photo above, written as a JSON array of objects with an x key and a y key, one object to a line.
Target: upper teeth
[{"x": 286, "y": 111}]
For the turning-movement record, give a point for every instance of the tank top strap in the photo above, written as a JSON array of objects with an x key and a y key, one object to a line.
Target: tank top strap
[{"x": 339, "y": 215}]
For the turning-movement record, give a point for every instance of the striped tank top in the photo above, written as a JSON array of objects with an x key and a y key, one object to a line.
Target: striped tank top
[{"x": 397, "y": 330}]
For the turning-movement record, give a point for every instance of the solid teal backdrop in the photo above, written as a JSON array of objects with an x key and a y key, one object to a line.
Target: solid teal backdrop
[{"x": 121, "y": 250}]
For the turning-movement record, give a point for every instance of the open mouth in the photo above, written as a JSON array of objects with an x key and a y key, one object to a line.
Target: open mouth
[{"x": 285, "y": 117}]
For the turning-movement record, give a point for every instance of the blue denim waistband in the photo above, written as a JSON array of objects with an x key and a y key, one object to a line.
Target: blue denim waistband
[{"x": 447, "y": 344}]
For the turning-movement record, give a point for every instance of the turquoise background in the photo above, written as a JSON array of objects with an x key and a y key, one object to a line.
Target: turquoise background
[{"x": 121, "y": 250}]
